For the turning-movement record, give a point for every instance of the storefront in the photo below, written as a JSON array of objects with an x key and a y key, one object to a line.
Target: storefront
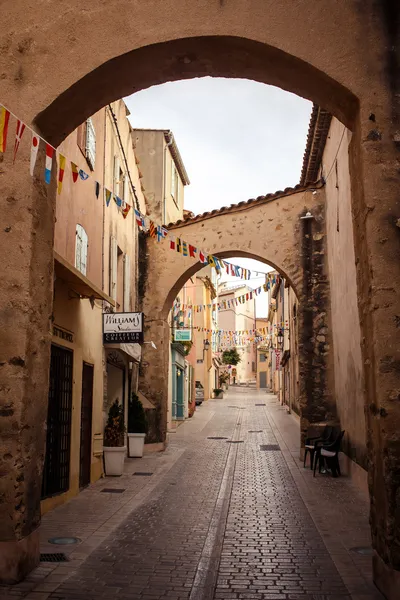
[{"x": 178, "y": 381}]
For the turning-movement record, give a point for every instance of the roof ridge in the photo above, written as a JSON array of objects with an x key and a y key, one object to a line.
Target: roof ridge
[{"x": 289, "y": 191}]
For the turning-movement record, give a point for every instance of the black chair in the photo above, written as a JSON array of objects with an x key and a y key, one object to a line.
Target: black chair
[
  {"x": 312, "y": 443},
  {"x": 329, "y": 454}
]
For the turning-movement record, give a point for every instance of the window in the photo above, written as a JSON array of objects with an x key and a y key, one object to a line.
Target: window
[
  {"x": 90, "y": 144},
  {"x": 174, "y": 183},
  {"x": 81, "y": 248},
  {"x": 127, "y": 283},
  {"x": 125, "y": 193},
  {"x": 118, "y": 177},
  {"x": 113, "y": 267},
  {"x": 86, "y": 140},
  {"x": 263, "y": 357}
]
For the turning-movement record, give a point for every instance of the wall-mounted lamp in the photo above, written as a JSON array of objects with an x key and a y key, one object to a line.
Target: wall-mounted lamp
[
  {"x": 206, "y": 344},
  {"x": 280, "y": 338},
  {"x": 308, "y": 215},
  {"x": 152, "y": 345}
]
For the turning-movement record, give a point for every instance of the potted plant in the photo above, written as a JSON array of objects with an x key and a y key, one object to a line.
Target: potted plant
[
  {"x": 137, "y": 427},
  {"x": 223, "y": 380},
  {"x": 218, "y": 393},
  {"x": 114, "y": 437}
]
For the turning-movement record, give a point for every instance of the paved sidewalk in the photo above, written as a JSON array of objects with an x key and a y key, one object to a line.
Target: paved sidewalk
[{"x": 218, "y": 519}]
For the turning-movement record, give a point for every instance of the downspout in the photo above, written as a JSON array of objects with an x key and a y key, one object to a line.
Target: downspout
[{"x": 167, "y": 145}]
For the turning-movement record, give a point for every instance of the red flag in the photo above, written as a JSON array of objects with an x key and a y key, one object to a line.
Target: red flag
[
  {"x": 75, "y": 172},
  {"x": 18, "y": 135},
  {"x": 192, "y": 251},
  {"x": 4, "y": 119},
  {"x": 126, "y": 210}
]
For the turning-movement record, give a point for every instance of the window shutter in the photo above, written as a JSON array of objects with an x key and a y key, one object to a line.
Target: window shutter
[
  {"x": 173, "y": 179},
  {"x": 126, "y": 188},
  {"x": 90, "y": 143},
  {"x": 116, "y": 175},
  {"x": 113, "y": 267},
  {"x": 84, "y": 252},
  {"x": 127, "y": 283},
  {"x": 78, "y": 247},
  {"x": 81, "y": 247}
]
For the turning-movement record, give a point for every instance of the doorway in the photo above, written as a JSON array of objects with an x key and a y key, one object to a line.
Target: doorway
[
  {"x": 59, "y": 415},
  {"x": 263, "y": 379},
  {"x": 85, "y": 457}
]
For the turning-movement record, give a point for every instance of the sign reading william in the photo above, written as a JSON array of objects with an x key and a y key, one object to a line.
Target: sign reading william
[{"x": 122, "y": 328}]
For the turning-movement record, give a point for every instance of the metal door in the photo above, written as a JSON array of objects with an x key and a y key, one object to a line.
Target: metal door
[
  {"x": 263, "y": 379},
  {"x": 59, "y": 414},
  {"x": 86, "y": 425}
]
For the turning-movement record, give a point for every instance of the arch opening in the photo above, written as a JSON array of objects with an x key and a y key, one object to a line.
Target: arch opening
[
  {"x": 187, "y": 58},
  {"x": 184, "y": 277}
]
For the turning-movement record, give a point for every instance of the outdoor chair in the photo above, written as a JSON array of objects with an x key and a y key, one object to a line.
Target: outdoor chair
[
  {"x": 312, "y": 443},
  {"x": 329, "y": 454}
]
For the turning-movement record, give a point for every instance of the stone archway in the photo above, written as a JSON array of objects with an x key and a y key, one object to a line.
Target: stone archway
[
  {"x": 269, "y": 229},
  {"x": 340, "y": 55}
]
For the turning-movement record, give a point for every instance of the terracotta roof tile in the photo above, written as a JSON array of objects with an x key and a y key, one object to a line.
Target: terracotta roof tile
[
  {"x": 318, "y": 130},
  {"x": 233, "y": 208}
]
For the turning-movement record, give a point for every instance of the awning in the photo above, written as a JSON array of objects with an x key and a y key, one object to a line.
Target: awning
[
  {"x": 132, "y": 351},
  {"x": 78, "y": 282}
]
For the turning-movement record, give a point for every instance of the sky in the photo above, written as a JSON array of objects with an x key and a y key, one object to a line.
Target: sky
[{"x": 238, "y": 139}]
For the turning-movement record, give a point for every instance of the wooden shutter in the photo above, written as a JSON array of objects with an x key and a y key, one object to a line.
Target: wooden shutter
[
  {"x": 113, "y": 267},
  {"x": 127, "y": 283},
  {"x": 78, "y": 247},
  {"x": 116, "y": 175},
  {"x": 90, "y": 144},
  {"x": 126, "y": 189},
  {"x": 173, "y": 192}
]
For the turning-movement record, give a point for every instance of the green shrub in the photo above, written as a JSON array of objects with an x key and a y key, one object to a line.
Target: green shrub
[
  {"x": 137, "y": 422},
  {"x": 115, "y": 428}
]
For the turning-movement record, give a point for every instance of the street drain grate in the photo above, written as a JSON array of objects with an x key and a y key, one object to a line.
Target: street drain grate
[
  {"x": 255, "y": 430},
  {"x": 269, "y": 448},
  {"x": 260, "y": 405},
  {"x": 56, "y": 557},
  {"x": 365, "y": 550},
  {"x": 217, "y": 438},
  {"x": 113, "y": 490},
  {"x": 235, "y": 442},
  {"x": 142, "y": 474}
]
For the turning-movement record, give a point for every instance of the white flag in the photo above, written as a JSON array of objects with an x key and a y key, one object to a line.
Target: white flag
[{"x": 34, "y": 151}]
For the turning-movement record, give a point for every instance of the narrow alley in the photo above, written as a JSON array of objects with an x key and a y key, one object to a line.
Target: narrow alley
[{"x": 226, "y": 512}]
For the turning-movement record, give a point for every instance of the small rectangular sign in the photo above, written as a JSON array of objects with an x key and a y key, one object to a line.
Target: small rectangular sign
[
  {"x": 183, "y": 335},
  {"x": 122, "y": 328}
]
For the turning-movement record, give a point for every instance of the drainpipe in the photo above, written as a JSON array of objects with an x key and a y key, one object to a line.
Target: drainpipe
[{"x": 167, "y": 145}]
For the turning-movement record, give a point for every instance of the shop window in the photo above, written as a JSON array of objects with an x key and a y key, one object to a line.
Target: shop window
[{"x": 81, "y": 249}]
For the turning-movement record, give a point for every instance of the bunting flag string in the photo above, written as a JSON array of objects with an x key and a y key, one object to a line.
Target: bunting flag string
[{"x": 154, "y": 229}]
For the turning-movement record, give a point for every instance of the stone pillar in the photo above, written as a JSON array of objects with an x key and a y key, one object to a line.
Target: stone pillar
[
  {"x": 315, "y": 366},
  {"x": 376, "y": 210},
  {"x": 26, "y": 275},
  {"x": 153, "y": 373}
]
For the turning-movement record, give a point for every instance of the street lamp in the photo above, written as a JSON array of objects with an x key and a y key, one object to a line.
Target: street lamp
[{"x": 206, "y": 346}]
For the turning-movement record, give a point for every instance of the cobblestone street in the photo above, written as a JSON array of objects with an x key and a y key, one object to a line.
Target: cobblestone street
[{"x": 228, "y": 513}]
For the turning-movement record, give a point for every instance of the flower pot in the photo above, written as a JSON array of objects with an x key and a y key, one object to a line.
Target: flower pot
[
  {"x": 135, "y": 444},
  {"x": 114, "y": 460}
]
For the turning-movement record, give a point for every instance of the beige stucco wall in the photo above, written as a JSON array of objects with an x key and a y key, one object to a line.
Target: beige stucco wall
[
  {"x": 78, "y": 317},
  {"x": 348, "y": 365}
]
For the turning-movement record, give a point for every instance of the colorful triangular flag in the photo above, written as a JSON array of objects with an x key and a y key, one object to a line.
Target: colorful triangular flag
[
  {"x": 74, "y": 169},
  {"x": 61, "y": 170},
  {"x": 18, "y": 135},
  {"x": 4, "y": 119},
  {"x": 49, "y": 163},
  {"x": 34, "y": 151}
]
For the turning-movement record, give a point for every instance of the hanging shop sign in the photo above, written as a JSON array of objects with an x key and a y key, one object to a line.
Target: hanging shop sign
[
  {"x": 122, "y": 328},
  {"x": 183, "y": 335}
]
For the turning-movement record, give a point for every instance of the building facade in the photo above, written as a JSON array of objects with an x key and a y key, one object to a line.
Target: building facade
[{"x": 95, "y": 258}]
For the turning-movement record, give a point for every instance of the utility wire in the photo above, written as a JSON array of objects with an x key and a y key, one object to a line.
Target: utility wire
[
  {"x": 115, "y": 122},
  {"x": 337, "y": 152}
]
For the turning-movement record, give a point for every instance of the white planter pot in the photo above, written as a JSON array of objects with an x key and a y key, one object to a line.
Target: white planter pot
[
  {"x": 135, "y": 444},
  {"x": 114, "y": 460},
  {"x": 219, "y": 396}
]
